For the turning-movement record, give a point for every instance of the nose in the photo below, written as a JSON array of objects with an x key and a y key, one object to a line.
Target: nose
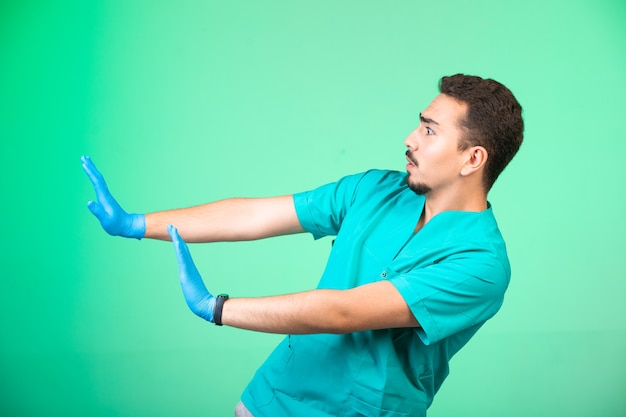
[{"x": 411, "y": 141}]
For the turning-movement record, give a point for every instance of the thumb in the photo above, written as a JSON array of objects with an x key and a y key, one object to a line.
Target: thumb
[{"x": 96, "y": 209}]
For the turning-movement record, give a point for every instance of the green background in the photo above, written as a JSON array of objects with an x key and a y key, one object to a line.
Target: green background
[{"x": 185, "y": 102}]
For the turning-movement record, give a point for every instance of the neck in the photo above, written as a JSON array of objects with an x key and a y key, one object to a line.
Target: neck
[{"x": 438, "y": 203}]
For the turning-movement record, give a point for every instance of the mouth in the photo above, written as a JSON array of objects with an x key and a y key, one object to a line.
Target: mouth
[{"x": 409, "y": 159}]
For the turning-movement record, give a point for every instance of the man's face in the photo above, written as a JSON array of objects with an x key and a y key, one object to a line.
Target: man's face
[{"x": 434, "y": 160}]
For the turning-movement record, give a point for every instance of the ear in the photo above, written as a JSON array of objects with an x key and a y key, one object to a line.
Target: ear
[{"x": 476, "y": 159}]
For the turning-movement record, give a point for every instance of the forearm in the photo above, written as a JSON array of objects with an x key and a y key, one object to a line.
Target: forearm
[
  {"x": 234, "y": 219},
  {"x": 321, "y": 311}
]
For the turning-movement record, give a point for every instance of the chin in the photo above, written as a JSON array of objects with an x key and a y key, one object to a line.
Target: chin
[{"x": 418, "y": 188}]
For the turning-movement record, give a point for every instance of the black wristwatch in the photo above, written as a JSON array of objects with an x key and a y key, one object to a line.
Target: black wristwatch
[{"x": 219, "y": 305}]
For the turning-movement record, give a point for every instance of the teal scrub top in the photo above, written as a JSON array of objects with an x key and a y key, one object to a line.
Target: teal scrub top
[{"x": 452, "y": 274}]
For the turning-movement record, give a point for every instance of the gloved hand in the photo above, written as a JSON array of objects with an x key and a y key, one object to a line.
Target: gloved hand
[
  {"x": 114, "y": 220},
  {"x": 198, "y": 298}
]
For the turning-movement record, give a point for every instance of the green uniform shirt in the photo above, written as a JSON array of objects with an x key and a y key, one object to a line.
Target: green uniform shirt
[{"x": 452, "y": 274}]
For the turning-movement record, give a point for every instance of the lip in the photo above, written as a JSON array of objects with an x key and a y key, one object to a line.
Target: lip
[{"x": 411, "y": 161}]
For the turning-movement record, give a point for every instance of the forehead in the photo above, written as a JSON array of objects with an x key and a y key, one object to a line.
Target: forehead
[{"x": 446, "y": 111}]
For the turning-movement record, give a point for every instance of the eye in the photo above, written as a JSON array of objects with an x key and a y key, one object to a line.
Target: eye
[{"x": 429, "y": 131}]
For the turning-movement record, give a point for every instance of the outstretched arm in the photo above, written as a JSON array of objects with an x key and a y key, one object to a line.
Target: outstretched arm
[
  {"x": 226, "y": 220},
  {"x": 372, "y": 306},
  {"x": 368, "y": 307}
]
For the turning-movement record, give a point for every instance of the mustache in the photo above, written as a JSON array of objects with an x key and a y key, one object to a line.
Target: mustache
[{"x": 410, "y": 158}]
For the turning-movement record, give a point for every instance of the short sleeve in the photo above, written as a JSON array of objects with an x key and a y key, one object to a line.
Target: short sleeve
[
  {"x": 453, "y": 295},
  {"x": 321, "y": 211}
]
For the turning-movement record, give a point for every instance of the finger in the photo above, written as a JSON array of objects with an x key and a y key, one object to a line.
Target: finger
[
  {"x": 182, "y": 251},
  {"x": 96, "y": 178},
  {"x": 91, "y": 170},
  {"x": 173, "y": 232},
  {"x": 186, "y": 264}
]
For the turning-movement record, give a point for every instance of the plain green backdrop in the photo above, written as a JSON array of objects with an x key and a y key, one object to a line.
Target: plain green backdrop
[{"x": 185, "y": 102}]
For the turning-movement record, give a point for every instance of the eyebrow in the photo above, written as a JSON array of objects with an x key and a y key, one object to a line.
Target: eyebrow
[{"x": 427, "y": 120}]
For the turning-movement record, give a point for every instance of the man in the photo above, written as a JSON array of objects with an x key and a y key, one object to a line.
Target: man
[{"x": 417, "y": 266}]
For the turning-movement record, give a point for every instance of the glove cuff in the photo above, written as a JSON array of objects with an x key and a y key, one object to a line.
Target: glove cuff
[{"x": 137, "y": 227}]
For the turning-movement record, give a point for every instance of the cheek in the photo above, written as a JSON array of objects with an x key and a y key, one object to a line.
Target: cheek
[{"x": 445, "y": 160}]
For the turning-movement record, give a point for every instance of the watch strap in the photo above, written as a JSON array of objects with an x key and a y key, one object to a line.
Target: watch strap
[{"x": 219, "y": 306}]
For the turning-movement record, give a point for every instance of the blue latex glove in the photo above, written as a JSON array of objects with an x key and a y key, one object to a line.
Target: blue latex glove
[
  {"x": 198, "y": 298},
  {"x": 114, "y": 220}
]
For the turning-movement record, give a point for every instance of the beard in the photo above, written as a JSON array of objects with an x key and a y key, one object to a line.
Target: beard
[{"x": 418, "y": 188}]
